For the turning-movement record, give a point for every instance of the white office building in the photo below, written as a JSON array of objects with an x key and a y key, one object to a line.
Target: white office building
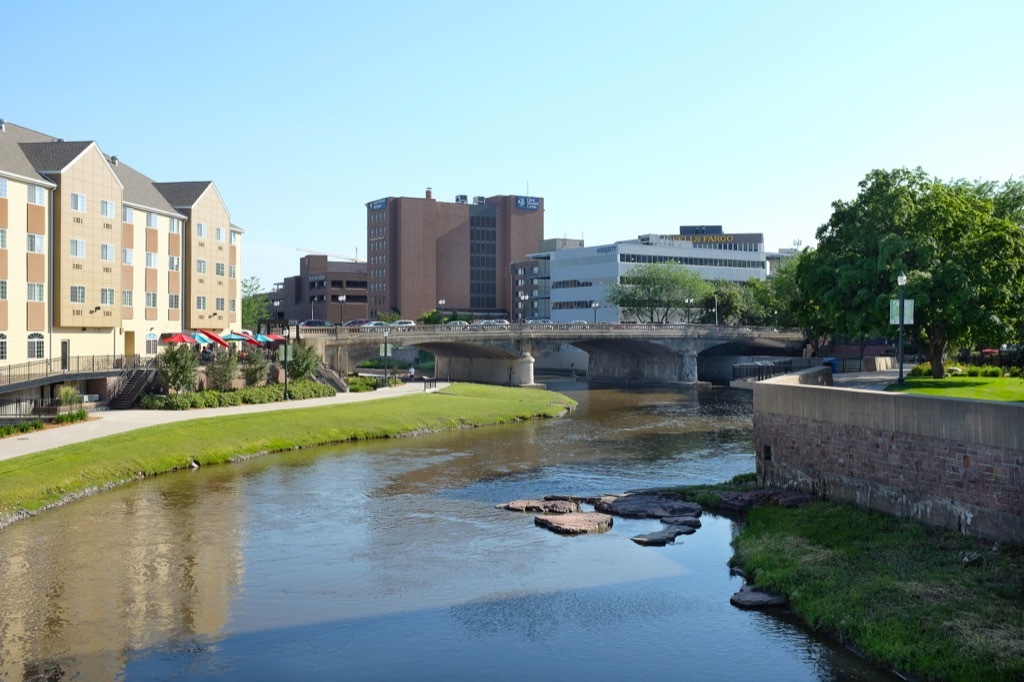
[{"x": 579, "y": 278}]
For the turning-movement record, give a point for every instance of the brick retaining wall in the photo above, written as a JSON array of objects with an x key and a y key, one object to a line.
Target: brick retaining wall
[{"x": 952, "y": 463}]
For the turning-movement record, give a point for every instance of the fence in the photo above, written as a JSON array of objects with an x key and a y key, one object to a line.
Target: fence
[
  {"x": 77, "y": 364},
  {"x": 34, "y": 407}
]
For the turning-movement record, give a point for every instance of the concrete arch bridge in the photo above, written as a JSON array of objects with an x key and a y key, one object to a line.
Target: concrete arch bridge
[{"x": 620, "y": 354}]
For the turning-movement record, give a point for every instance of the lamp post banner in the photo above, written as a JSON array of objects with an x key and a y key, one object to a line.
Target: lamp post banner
[{"x": 908, "y": 311}]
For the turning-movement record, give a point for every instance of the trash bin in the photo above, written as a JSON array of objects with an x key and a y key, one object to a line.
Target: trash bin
[{"x": 833, "y": 363}]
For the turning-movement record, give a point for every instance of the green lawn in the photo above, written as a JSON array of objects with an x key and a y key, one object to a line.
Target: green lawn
[
  {"x": 34, "y": 481},
  {"x": 1006, "y": 389}
]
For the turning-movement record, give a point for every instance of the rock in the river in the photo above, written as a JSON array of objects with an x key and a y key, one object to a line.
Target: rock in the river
[
  {"x": 750, "y": 597},
  {"x": 545, "y": 506},
  {"x": 690, "y": 521},
  {"x": 576, "y": 523},
  {"x": 660, "y": 538},
  {"x": 648, "y": 506}
]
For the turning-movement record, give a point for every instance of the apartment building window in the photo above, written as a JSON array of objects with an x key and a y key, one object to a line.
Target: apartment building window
[
  {"x": 231, "y": 305},
  {"x": 78, "y": 202},
  {"x": 150, "y": 299},
  {"x": 36, "y": 195},
  {"x": 174, "y": 263},
  {"x": 151, "y": 220},
  {"x": 3, "y": 238},
  {"x": 127, "y": 298},
  {"x": 77, "y": 248},
  {"x": 150, "y": 259},
  {"x": 200, "y": 303},
  {"x": 127, "y": 215},
  {"x": 220, "y": 233},
  {"x": 201, "y": 266},
  {"x": 77, "y": 293},
  {"x": 219, "y": 304},
  {"x": 3, "y": 188},
  {"x": 106, "y": 208},
  {"x": 218, "y": 268},
  {"x": 107, "y": 252},
  {"x": 173, "y": 301},
  {"x": 35, "y": 291},
  {"x": 36, "y": 346},
  {"x": 3, "y": 346},
  {"x": 3, "y": 289},
  {"x": 232, "y": 272},
  {"x": 106, "y": 296},
  {"x": 127, "y": 256},
  {"x": 151, "y": 344},
  {"x": 234, "y": 238},
  {"x": 36, "y": 243},
  {"x": 200, "y": 229},
  {"x": 175, "y": 226}
]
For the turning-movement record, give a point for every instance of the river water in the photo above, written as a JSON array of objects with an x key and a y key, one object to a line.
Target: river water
[{"x": 389, "y": 561}]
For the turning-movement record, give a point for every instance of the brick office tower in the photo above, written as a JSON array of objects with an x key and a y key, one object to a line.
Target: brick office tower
[{"x": 421, "y": 251}]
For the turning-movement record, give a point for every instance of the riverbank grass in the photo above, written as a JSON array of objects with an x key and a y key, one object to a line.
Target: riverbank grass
[
  {"x": 34, "y": 481},
  {"x": 930, "y": 603}
]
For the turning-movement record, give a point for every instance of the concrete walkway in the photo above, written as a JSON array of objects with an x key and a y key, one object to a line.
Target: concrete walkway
[
  {"x": 869, "y": 381},
  {"x": 108, "y": 422}
]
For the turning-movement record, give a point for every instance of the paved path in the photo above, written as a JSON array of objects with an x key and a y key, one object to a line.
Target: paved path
[
  {"x": 109, "y": 422},
  {"x": 870, "y": 381}
]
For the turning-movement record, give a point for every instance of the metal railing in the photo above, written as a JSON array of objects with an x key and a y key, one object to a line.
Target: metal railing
[
  {"x": 759, "y": 371},
  {"x": 520, "y": 327},
  {"x": 35, "y": 407},
  {"x": 76, "y": 364}
]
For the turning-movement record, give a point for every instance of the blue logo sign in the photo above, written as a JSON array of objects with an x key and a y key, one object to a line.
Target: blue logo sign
[
  {"x": 528, "y": 203},
  {"x": 378, "y": 205}
]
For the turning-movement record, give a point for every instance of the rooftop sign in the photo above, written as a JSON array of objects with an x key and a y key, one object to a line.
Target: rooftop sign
[
  {"x": 528, "y": 203},
  {"x": 378, "y": 205}
]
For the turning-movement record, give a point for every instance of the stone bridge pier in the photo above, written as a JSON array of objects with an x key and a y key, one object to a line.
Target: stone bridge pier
[
  {"x": 643, "y": 369},
  {"x": 517, "y": 371}
]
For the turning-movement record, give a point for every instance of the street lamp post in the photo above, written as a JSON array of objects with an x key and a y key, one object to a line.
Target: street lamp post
[
  {"x": 523, "y": 298},
  {"x": 440, "y": 308},
  {"x": 386, "y": 349},
  {"x": 287, "y": 335},
  {"x": 716, "y": 310},
  {"x": 595, "y": 305},
  {"x": 341, "y": 300},
  {"x": 901, "y": 280}
]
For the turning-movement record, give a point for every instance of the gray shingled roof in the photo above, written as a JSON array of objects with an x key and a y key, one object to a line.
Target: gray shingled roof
[
  {"x": 52, "y": 156},
  {"x": 12, "y": 157},
  {"x": 182, "y": 194},
  {"x": 140, "y": 190}
]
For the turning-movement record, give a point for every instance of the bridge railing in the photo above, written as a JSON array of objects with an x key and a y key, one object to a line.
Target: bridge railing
[
  {"x": 519, "y": 328},
  {"x": 77, "y": 364}
]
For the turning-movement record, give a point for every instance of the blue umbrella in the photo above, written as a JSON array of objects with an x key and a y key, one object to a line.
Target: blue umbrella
[{"x": 202, "y": 338}]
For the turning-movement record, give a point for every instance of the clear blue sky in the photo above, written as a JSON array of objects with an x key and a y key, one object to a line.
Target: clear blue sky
[{"x": 628, "y": 118}]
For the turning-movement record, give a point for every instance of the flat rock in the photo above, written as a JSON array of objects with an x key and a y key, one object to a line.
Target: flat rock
[
  {"x": 660, "y": 538},
  {"x": 688, "y": 521},
  {"x": 544, "y": 506},
  {"x": 648, "y": 506},
  {"x": 752, "y": 598},
  {"x": 575, "y": 523}
]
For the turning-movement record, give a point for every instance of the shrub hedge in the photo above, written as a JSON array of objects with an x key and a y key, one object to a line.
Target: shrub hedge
[{"x": 251, "y": 395}]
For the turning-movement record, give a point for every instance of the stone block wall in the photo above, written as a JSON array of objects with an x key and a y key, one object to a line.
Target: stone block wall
[{"x": 952, "y": 463}]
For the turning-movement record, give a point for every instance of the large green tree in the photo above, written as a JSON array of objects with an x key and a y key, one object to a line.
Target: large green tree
[
  {"x": 960, "y": 244},
  {"x": 658, "y": 292},
  {"x": 255, "y": 304}
]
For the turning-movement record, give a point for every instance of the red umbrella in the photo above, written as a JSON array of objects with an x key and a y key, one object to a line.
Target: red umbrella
[
  {"x": 215, "y": 338},
  {"x": 179, "y": 338},
  {"x": 275, "y": 337}
]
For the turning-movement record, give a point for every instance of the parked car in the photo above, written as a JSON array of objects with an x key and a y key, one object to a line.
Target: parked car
[
  {"x": 317, "y": 323},
  {"x": 355, "y": 323},
  {"x": 490, "y": 325},
  {"x": 542, "y": 323},
  {"x": 403, "y": 324},
  {"x": 376, "y": 324},
  {"x": 457, "y": 325}
]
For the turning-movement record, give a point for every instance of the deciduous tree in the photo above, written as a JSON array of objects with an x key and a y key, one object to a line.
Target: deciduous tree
[
  {"x": 255, "y": 304},
  {"x": 658, "y": 292}
]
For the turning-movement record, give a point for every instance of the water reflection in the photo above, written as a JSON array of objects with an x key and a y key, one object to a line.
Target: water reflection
[{"x": 388, "y": 560}]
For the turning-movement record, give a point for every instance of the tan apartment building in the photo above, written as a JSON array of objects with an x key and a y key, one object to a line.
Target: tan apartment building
[
  {"x": 94, "y": 256},
  {"x": 421, "y": 251}
]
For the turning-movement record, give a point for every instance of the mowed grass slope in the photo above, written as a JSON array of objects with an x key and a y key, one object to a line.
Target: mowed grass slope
[
  {"x": 1006, "y": 389},
  {"x": 34, "y": 481}
]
